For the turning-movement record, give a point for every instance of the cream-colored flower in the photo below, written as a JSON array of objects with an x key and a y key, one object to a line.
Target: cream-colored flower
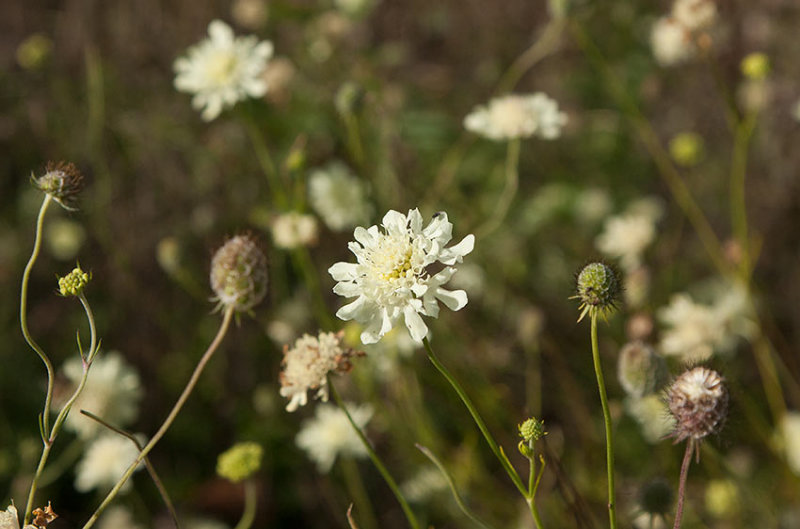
[
  {"x": 653, "y": 416},
  {"x": 222, "y": 70},
  {"x": 338, "y": 196},
  {"x": 626, "y": 237},
  {"x": 105, "y": 461},
  {"x": 671, "y": 42},
  {"x": 9, "y": 519},
  {"x": 517, "y": 116},
  {"x": 694, "y": 15},
  {"x": 790, "y": 430},
  {"x": 292, "y": 230},
  {"x": 329, "y": 434},
  {"x": 117, "y": 517}
]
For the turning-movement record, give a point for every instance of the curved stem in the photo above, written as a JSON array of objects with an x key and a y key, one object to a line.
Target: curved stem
[
  {"x": 601, "y": 386},
  {"x": 687, "y": 459},
  {"x": 198, "y": 370},
  {"x": 509, "y": 191},
  {"x": 498, "y": 452},
  {"x": 412, "y": 519},
  {"x": 250, "y": 504}
]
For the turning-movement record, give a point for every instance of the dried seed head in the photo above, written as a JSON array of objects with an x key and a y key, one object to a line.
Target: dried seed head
[
  {"x": 62, "y": 181},
  {"x": 699, "y": 402},
  {"x": 640, "y": 370},
  {"x": 598, "y": 289},
  {"x": 239, "y": 274}
]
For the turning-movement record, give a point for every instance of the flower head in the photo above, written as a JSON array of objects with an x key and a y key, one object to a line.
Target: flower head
[
  {"x": 117, "y": 517},
  {"x": 222, "y": 70},
  {"x": 391, "y": 278},
  {"x": 240, "y": 461},
  {"x": 640, "y": 370},
  {"x": 698, "y": 400},
  {"x": 9, "y": 519},
  {"x": 293, "y": 229},
  {"x": 307, "y": 364},
  {"x": 755, "y": 66},
  {"x": 598, "y": 289},
  {"x": 73, "y": 283},
  {"x": 626, "y": 237},
  {"x": 239, "y": 273},
  {"x": 694, "y": 15},
  {"x": 104, "y": 462},
  {"x": 338, "y": 196},
  {"x": 671, "y": 42},
  {"x": 517, "y": 116},
  {"x": 330, "y": 434},
  {"x": 62, "y": 182},
  {"x": 531, "y": 430}
]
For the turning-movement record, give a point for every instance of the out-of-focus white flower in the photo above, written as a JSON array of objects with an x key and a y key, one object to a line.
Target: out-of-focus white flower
[
  {"x": 790, "y": 431},
  {"x": 222, "y": 70},
  {"x": 626, "y": 237},
  {"x": 592, "y": 205},
  {"x": 112, "y": 392},
  {"x": 65, "y": 237},
  {"x": 338, "y": 196},
  {"x": 647, "y": 520},
  {"x": 425, "y": 484},
  {"x": 307, "y": 364},
  {"x": 293, "y": 229},
  {"x": 653, "y": 416},
  {"x": 105, "y": 461},
  {"x": 517, "y": 116},
  {"x": 694, "y": 14},
  {"x": 329, "y": 434},
  {"x": 117, "y": 517},
  {"x": 390, "y": 278},
  {"x": 671, "y": 42}
]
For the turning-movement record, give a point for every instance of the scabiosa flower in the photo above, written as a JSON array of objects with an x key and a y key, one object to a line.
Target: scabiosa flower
[
  {"x": 73, "y": 283},
  {"x": 62, "y": 181},
  {"x": 391, "y": 279},
  {"x": 671, "y": 42},
  {"x": 239, "y": 274},
  {"x": 338, "y": 196},
  {"x": 698, "y": 400},
  {"x": 105, "y": 461},
  {"x": 293, "y": 229},
  {"x": 598, "y": 290},
  {"x": 694, "y": 15},
  {"x": 626, "y": 237},
  {"x": 517, "y": 116},
  {"x": 222, "y": 70},
  {"x": 330, "y": 434},
  {"x": 240, "y": 461},
  {"x": 652, "y": 415},
  {"x": 790, "y": 433},
  {"x": 9, "y": 519},
  {"x": 307, "y": 364}
]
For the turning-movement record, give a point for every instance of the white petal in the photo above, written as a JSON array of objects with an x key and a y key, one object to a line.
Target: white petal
[
  {"x": 353, "y": 310},
  {"x": 394, "y": 222},
  {"x": 454, "y": 254},
  {"x": 453, "y": 299},
  {"x": 416, "y": 326},
  {"x": 343, "y": 271},
  {"x": 347, "y": 289},
  {"x": 220, "y": 32},
  {"x": 414, "y": 220}
]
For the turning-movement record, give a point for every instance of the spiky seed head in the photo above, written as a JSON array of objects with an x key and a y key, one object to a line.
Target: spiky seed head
[
  {"x": 240, "y": 461},
  {"x": 62, "y": 181},
  {"x": 73, "y": 283},
  {"x": 640, "y": 370},
  {"x": 239, "y": 273},
  {"x": 598, "y": 289},
  {"x": 698, "y": 400}
]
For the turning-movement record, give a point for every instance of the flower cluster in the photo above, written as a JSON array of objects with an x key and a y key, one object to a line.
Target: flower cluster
[
  {"x": 391, "y": 278},
  {"x": 674, "y": 38},
  {"x": 293, "y": 229},
  {"x": 73, "y": 283},
  {"x": 329, "y": 434},
  {"x": 517, "y": 116},
  {"x": 106, "y": 459}
]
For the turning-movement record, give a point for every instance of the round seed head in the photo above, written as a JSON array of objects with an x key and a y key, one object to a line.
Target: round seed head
[
  {"x": 698, "y": 400},
  {"x": 240, "y": 461},
  {"x": 598, "y": 289},
  {"x": 62, "y": 181},
  {"x": 639, "y": 369},
  {"x": 239, "y": 273}
]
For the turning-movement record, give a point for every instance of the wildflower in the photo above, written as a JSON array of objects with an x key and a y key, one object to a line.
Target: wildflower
[
  {"x": 307, "y": 364},
  {"x": 425, "y": 484},
  {"x": 73, "y": 283},
  {"x": 112, "y": 391},
  {"x": 34, "y": 51},
  {"x": 117, "y": 517},
  {"x": 64, "y": 238},
  {"x": 293, "y": 230},
  {"x": 239, "y": 273},
  {"x": 653, "y": 416},
  {"x": 517, "y": 116},
  {"x": 790, "y": 432},
  {"x": 329, "y": 434},
  {"x": 62, "y": 182},
  {"x": 671, "y": 42},
  {"x": 640, "y": 370},
  {"x": 222, "y": 70},
  {"x": 9, "y": 519},
  {"x": 338, "y": 196},
  {"x": 698, "y": 400},
  {"x": 105, "y": 461},
  {"x": 240, "y": 461},
  {"x": 626, "y": 237},
  {"x": 686, "y": 148},
  {"x": 531, "y": 430},
  {"x": 391, "y": 278},
  {"x": 694, "y": 15},
  {"x": 755, "y": 66},
  {"x": 598, "y": 289}
]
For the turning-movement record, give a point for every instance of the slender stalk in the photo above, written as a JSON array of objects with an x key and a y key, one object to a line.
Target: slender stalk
[
  {"x": 356, "y": 488},
  {"x": 533, "y": 485},
  {"x": 265, "y": 160},
  {"x": 601, "y": 386},
  {"x": 738, "y": 204},
  {"x": 198, "y": 370},
  {"x": 376, "y": 460},
  {"x": 498, "y": 451},
  {"x": 250, "y": 504},
  {"x": 687, "y": 459},
  {"x": 509, "y": 191}
]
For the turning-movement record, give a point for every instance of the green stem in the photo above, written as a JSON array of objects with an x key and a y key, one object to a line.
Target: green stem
[
  {"x": 509, "y": 191},
  {"x": 412, "y": 519},
  {"x": 265, "y": 160},
  {"x": 498, "y": 451},
  {"x": 198, "y": 370},
  {"x": 250, "y": 504},
  {"x": 601, "y": 386},
  {"x": 356, "y": 488},
  {"x": 744, "y": 131},
  {"x": 533, "y": 485}
]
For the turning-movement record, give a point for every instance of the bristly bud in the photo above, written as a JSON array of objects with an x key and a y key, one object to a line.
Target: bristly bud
[
  {"x": 531, "y": 430},
  {"x": 240, "y": 461},
  {"x": 62, "y": 181},
  {"x": 640, "y": 370},
  {"x": 699, "y": 402},
  {"x": 73, "y": 283},
  {"x": 598, "y": 289},
  {"x": 239, "y": 274}
]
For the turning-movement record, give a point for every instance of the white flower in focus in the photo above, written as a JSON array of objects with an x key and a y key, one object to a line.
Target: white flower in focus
[
  {"x": 653, "y": 416},
  {"x": 671, "y": 42},
  {"x": 626, "y": 237},
  {"x": 9, "y": 519},
  {"x": 105, "y": 461},
  {"x": 330, "y": 434},
  {"x": 517, "y": 116},
  {"x": 790, "y": 431},
  {"x": 307, "y": 364},
  {"x": 292, "y": 230},
  {"x": 694, "y": 14},
  {"x": 112, "y": 392},
  {"x": 338, "y": 196},
  {"x": 222, "y": 70},
  {"x": 390, "y": 279},
  {"x": 117, "y": 517}
]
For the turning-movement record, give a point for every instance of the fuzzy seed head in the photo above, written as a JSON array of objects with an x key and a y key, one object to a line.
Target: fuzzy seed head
[
  {"x": 698, "y": 400},
  {"x": 239, "y": 274},
  {"x": 240, "y": 461},
  {"x": 73, "y": 283},
  {"x": 532, "y": 430},
  {"x": 598, "y": 289},
  {"x": 62, "y": 181}
]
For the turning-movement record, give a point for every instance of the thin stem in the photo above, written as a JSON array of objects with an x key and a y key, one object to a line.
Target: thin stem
[
  {"x": 533, "y": 484},
  {"x": 687, "y": 459},
  {"x": 198, "y": 370},
  {"x": 376, "y": 460},
  {"x": 356, "y": 488},
  {"x": 744, "y": 131},
  {"x": 498, "y": 452},
  {"x": 265, "y": 160},
  {"x": 250, "y": 504},
  {"x": 509, "y": 191},
  {"x": 601, "y": 386}
]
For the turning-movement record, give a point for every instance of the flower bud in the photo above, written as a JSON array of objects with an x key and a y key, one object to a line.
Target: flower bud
[
  {"x": 531, "y": 430},
  {"x": 687, "y": 149},
  {"x": 755, "y": 66},
  {"x": 598, "y": 289},
  {"x": 73, "y": 283},
  {"x": 639, "y": 369},
  {"x": 699, "y": 402},
  {"x": 240, "y": 461},
  {"x": 239, "y": 274},
  {"x": 62, "y": 181}
]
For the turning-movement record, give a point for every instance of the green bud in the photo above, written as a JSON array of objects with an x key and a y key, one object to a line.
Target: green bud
[
  {"x": 755, "y": 66},
  {"x": 73, "y": 283},
  {"x": 598, "y": 289},
  {"x": 687, "y": 148},
  {"x": 240, "y": 461},
  {"x": 531, "y": 430}
]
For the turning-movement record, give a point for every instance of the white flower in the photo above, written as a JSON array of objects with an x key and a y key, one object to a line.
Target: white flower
[
  {"x": 692, "y": 331},
  {"x": 626, "y": 237},
  {"x": 9, "y": 519},
  {"x": 517, "y": 116},
  {"x": 790, "y": 430},
  {"x": 671, "y": 42},
  {"x": 222, "y": 70},
  {"x": 646, "y": 520},
  {"x": 391, "y": 278},
  {"x": 117, "y": 517},
  {"x": 292, "y": 230},
  {"x": 105, "y": 461},
  {"x": 307, "y": 364},
  {"x": 338, "y": 196},
  {"x": 653, "y": 416},
  {"x": 424, "y": 485},
  {"x": 112, "y": 392},
  {"x": 694, "y": 14},
  {"x": 330, "y": 434}
]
